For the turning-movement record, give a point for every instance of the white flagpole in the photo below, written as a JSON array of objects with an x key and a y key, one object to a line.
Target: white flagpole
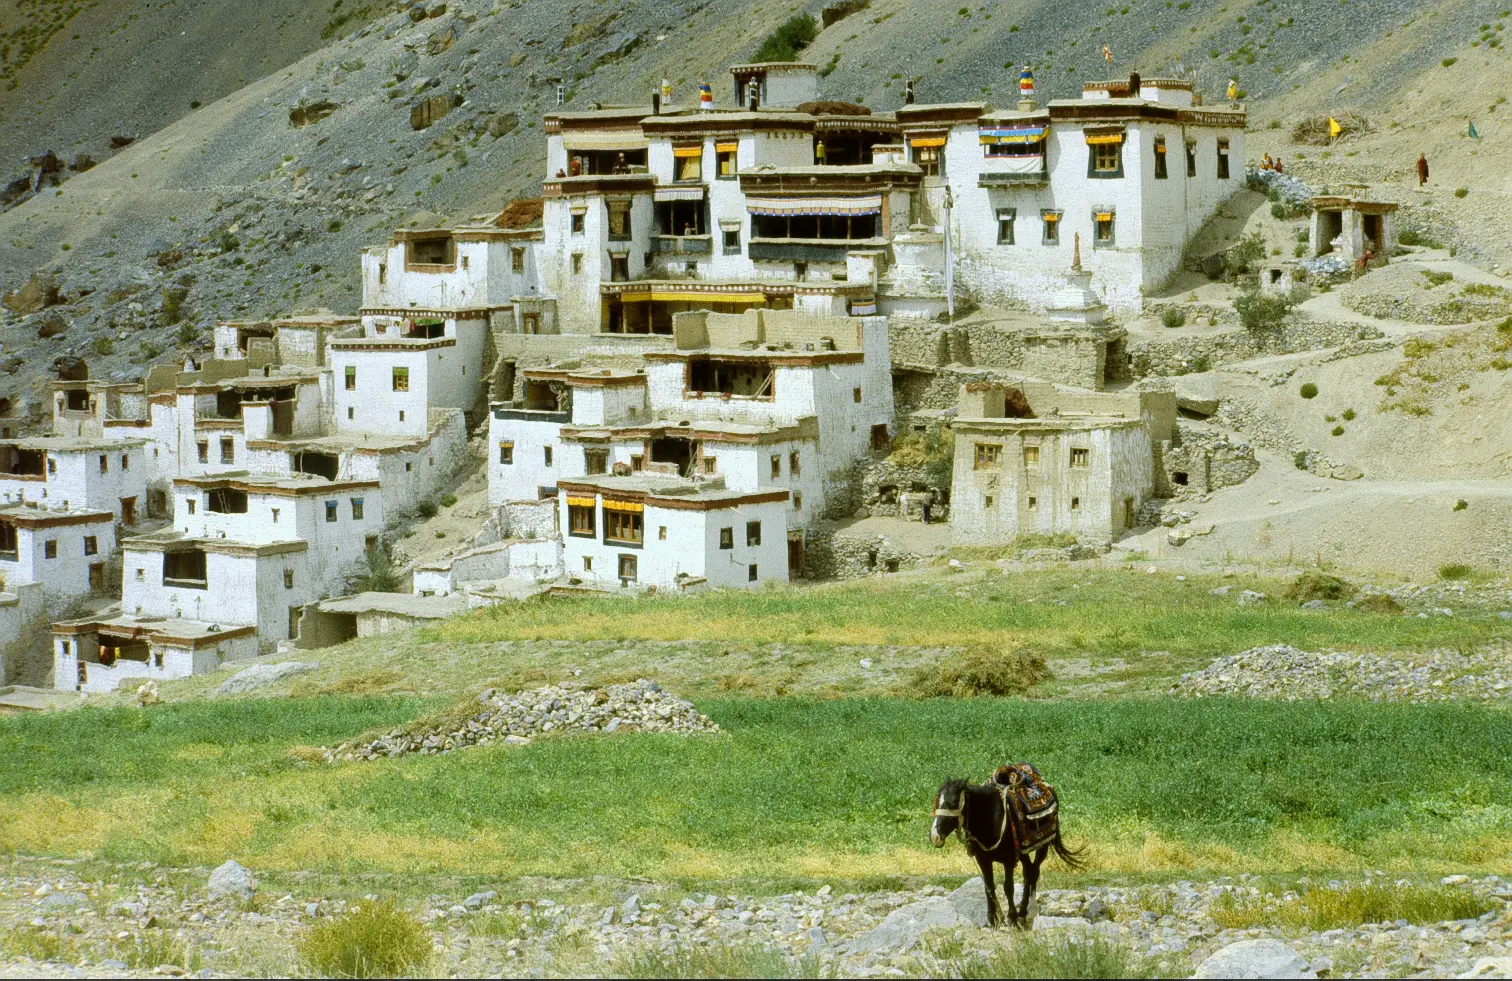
[{"x": 949, "y": 262}]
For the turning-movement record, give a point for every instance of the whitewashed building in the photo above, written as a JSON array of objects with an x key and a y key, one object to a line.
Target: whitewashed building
[
  {"x": 76, "y": 471},
  {"x": 63, "y": 550}
]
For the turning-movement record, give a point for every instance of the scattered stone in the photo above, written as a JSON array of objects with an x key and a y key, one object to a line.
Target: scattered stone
[
  {"x": 232, "y": 881},
  {"x": 1286, "y": 673},
  {"x": 1255, "y": 959},
  {"x": 479, "y": 899},
  {"x": 903, "y": 927},
  {"x": 259, "y": 675},
  {"x": 1251, "y": 598}
]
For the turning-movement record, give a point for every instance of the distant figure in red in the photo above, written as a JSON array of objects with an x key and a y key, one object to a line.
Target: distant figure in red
[
  {"x": 575, "y": 168},
  {"x": 1279, "y": 169},
  {"x": 1422, "y": 169}
]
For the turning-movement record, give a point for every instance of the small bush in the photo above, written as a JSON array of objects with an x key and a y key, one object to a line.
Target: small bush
[
  {"x": 1448, "y": 62},
  {"x": 979, "y": 672},
  {"x": 1318, "y": 586},
  {"x": 1299, "y": 459},
  {"x": 1460, "y": 192},
  {"x": 1173, "y": 317},
  {"x": 784, "y": 44},
  {"x": 1461, "y": 504},
  {"x": 1040, "y": 956},
  {"x": 1349, "y": 415},
  {"x": 1308, "y": 391},
  {"x": 375, "y": 940},
  {"x": 1413, "y": 237},
  {"x": 1337, "y": 430},
  {"x": 1454, "y": 570},
  {"x": 375, "y": 572},
  {"x": 1242, "y": 257},
  {"x": 448, "y": 499},
  {"x": 1377, "y": 603},
  {"x": 1436, "y": 277},
  {"x": 427, "y": 508},
  {"x": 1278, "y": 210},
  {"x": 103, "y": 346}
]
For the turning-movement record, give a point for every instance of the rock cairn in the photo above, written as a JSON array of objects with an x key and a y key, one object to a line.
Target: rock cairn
[
  {"x": 1289, "y": 674},
  {"x": 516, "y": 719}
]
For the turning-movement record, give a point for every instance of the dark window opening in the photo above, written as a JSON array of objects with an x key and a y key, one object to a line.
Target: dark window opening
[
  {"x": 623, "y": 527},
  {"x": 427, "y": 329},
  {"x": 752, "y": 379},
  {"x": 540, "y": 396},
  {"x": 835, "y": 227},
  {"x": 753, "y": 533},
  {"x": 627, "y": 568},
  {"x": 9, "y": 550},
  {"x": 580, "y": 520},
  {"x": 1223, "y": 159},
  {"x": 676, "y": 451},
  {"x": 432, "y": 252},
  {"x": 1180, "y": 477},
  {"x": 1160, "y": 159},
  {"x": 1191, "y": 159},
  {"x": 184, "y": 568},
  {"x": 619, "y": 268},
  {"x": 14, "y": 460},
  {"x": 682, "y": 218},
  {"x": 596, "y": 461},
  {"x": 225, "y": 500},
  {"x": 846, "y": 149},
  {"x": 244, "y": 335},
  {"x": 587, "y": 162},
  {"x": 619, "y": 220},
  {"x": 727, "y": 538},
  {"x": 77, "y": 400},
  {"x": 325, "y": 465}
]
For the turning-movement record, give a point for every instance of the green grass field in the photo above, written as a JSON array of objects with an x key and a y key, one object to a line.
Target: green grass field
[{"x": 794, "y": 789}]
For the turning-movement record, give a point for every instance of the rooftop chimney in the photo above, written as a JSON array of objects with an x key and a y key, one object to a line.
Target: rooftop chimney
[
  {"x": 753, "y": 95},
  {"x": 656, "y": 102},
  {"x": 1134, "y": 83},
  {"x": 908, "y": 92},
  {"x": 561, "y": 95}
]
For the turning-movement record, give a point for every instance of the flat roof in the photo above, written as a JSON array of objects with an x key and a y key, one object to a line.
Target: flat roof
[
  {"x": 69, "y": 444},
  {"x": 401, "y": 604},
  {"x": 26, "y": 516},
  {"x": 666, "y": 490},
  {"x": 308, "y": 484},
  {"x": 158, "y": 629}
]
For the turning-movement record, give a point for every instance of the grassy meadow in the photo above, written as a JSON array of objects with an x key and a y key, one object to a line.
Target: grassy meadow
[{"x": 793, "y": 790}]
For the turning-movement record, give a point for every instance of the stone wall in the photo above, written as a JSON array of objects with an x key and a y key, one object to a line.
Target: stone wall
[
  {"x": 530, "y": 519},
  {"x": 830, "y": 553},
  {"x": 884, "y": 486},
  {"x": 1186, "y": 355},
  {"x": 1202, "y": 459}
]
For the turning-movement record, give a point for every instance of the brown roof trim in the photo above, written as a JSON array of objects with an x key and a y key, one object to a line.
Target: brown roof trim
[
  {"x": 671, "y": 502},
  {"x": 465, "y": 313},
  {"x": 44, "y": 519},
  {"x": 958, "y": 112},
  {"x": 783, "y": 434},
  {"x": 696, "y": 289},
  {"x": 154, "y": 632},
  {"x": 315, "y": 490},
  {"x": 782, "y": 359},
  {"x": 565, "y": 187},
  {"x": 711, "y": 125},
  {"x": 395, "y": 344},
  {"x": 220, "y": 546},
  {"x": 127, "y": 422},
  {"x": 536, "y": 233}
]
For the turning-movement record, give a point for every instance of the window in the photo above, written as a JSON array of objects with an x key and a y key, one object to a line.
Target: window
[
  {"x": 1191, "y": 157},
  {"x": 104, "y": 463},
  {"x": 751, "y": 573},
  {"x": 688, "y": 163},
  {"x": 1223, "y": 159},
  {"x": 1052, "y": 220},
  {"x": 800, "y": 271},
  {"x": 597, "y": 461},
  {"x": 1076, "y": 504},
  {"x": 661, "y": 533},
  {"x": 141, "y": 574},
  {"x": 351, "y": 412},
  {"x": 517, "y": 260},
  {"x": 330, "y": 510},
  {"x": 577, "y": 224},
  {"x": 1160, "y": 159},
  {"x": 580, "y": 520},
  {"x": 732, "y": 241},
  {"x": 776, "y": 465},
  {"x": 506, "y": 453},
  {"x": 546, "y": 454},
  {"x": 930, "y": 158},
  {"x": 191, "y": 502},
  {"x": 1105, "y": 154},
  {"x": 627, "y": 568},
  {"x": 401, "y": 415},
  {"x": 356, "y": 509},
  {"x": 382, "y": 273},
  {"x": 856, "y": 395},
  {"x": 619, "y": 268},
  {"x": 125, "y": 462},
  {"x": 50, "y": 548},
  {"x": 577, "y": 263},
  {"x": 623, "y": 527},
  {"x": 401, "y": 379},
  {"x": 274, "y": 512},
  {"x": 1005, "y": 218},
  {"x": 1031, "y": 456},
  {"x": 1102, "y": 236},
  {"x": 727, "y": 538},
  {"x": 638, "y": 461},
  {"x": 988, "y": 455},
  {"x": 709, "y": 463},
  {"x": 619, "y": 219},
  {"x": 1033, "y": 503},
  {"x": 228, "y": 450},
  {"x": 753, "y": 533},
  {"x": 587, "y": 563},
  {"x": 288, "y": 579},
  {"x": 797, "y": 500},
  {"x": 724, "y": 158},
  {"x": 52, "y": 465},
  {"x": 988, "y": 501},
  {"x": 794, "y": 466},
  {"x": 203, "y": 446},
  {"x": 351, "y": 378},
  {"x": 1080, "y": 457},
  {"x": 91, "y": 545}
]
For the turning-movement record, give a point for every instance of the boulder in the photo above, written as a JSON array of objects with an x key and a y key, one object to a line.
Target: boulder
[
  {"x": 232, "y": 881},
  {"x": 306, "y": 113},
  {"x": 41, "y": 291},
  {"x": 1213, "y": 266},
  {"x": 1251, "y": 598},
  {"x": 501, "y": 123},
  {"x": 970, "y": 900},
  {"x": 52, "y": 325},
  {"x": 64, "y": 900},
  {"x": 147, "y": 694},
  {"x": 835, "y": 12},
  {"x": 441, "y": 41},
  {"x": 1489, "y": 967},
  {"x": 430, "y": 110},
  {"x": 259, "y": 675},
  {"x": 1255, "y": 959},
  {"x": 904, "y": 926}
]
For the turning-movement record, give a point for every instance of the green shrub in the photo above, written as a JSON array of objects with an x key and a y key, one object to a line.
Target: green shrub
[
  {"x": 1413, "y": 237},
  {"x": 1278, "y": 210},
  {"x": 1377, "y": 603},
  {"x": 1349, "y": 415},
  {"x": 427, "y": 508},
  {"x": 448, "y": 499},
  {"x": 1460, "y": 192},
  {"x": 1299, "y": 459},
  {"x": 103, "y": 346},
  {"x": 1261, "y": 312},
  {"x": 1173, "y": 317},
  {"x": 1337, "y": 430},
  {"x": 1436, "y": 277},
  {"x": 784, "y": 44},
  {"x": 708, "y": 961},
  {"x": 377, "y": 939},
  {"x": 1454, "y": 570},
  {"x": 1318, "y": 585},
  {"x": 1040, "y": 956},
  {"x": 1242, "y": 257},
  {"x": 1308, "y": 391},
  {"x": 978, "y": 672},
  {"x": 933, "y": 450},
  {"x": 1447, "y": 62},
  {"x": 1461, "y": 504},
  {"x": 375, "y": 572}
]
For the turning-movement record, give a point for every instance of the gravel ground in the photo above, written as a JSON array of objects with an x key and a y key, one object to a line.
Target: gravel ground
[
  {"x": 851, "y": 934},
  {"x": 1286, "y": 673}
]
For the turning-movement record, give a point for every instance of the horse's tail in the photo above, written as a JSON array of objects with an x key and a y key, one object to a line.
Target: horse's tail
[{"x": 1071, "y": 856}]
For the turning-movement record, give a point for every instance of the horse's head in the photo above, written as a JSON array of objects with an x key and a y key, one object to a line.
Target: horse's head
[{"x": 949, "y": 801}]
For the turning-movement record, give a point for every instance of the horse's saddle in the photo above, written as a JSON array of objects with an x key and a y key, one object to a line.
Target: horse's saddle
[{"x": 1031, "y": 797}]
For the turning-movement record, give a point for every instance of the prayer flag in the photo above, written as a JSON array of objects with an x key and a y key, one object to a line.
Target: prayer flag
[
  {"x": 1107, "y": 54},
  {"x": 1233, "y": 90}
]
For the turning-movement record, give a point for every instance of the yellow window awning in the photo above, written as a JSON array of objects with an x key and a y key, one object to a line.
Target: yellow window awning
[
  {"x": 926, "y": 141},
  {"x": 1096, "y": 139},
  {"x": 687, "y": 151},
  {"x": 726, "y": 147},
  {"x": 634, "y": 507},
  {"x": 581, "y": 502},
  {"x": 1105, "y": 216}
]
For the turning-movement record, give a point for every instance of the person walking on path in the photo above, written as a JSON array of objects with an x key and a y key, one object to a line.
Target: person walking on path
[
  {"x": 927, "y": 503},
  {"x": 1422, "y": 167}
]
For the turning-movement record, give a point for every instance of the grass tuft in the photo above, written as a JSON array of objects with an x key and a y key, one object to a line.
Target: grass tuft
[
  {"x": 377, "y": 939},
  {"x": 713, "y": 961},
  {"x": 979, "y": 672},
  {"x": 1377, "y": 603},
  {"x": 1320, "y": 908},
  {"x": 1035, "y": 956},
  {"x": 1318, "y": 586}
]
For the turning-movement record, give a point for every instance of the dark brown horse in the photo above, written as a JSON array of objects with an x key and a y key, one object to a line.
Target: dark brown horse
[{"x": 995, "y": 828}]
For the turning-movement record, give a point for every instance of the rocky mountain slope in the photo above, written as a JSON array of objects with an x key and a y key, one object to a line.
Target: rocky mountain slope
[{"x": 256, "y": 202}]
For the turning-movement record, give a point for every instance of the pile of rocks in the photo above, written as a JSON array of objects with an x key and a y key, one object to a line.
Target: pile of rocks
[
  {"x": 640, "y": 706},
  {"x": 1295, "y": 194},
  {"x": 1289, "y": 674}
]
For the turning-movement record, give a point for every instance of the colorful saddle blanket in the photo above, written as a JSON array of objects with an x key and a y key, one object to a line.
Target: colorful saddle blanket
[{"x": 1033, "y": 800}]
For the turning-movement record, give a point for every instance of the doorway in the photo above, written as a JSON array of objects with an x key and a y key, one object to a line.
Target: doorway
[{"x": 795, "y": 555}]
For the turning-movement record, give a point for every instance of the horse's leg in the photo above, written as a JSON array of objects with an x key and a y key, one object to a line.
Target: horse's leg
[
  {"x": 1013, "y": 914},
  {"x": 994, "y": 914},
  {"x": 1031, "y": 879}
]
